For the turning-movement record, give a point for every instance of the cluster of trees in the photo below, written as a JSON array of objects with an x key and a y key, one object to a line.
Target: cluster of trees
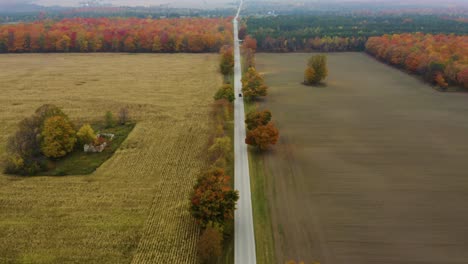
[
  {"x": 316, "y": 70},
  {"x": 439, "y": 59},
  {"x": 117, "y": 35},
  {"x": 331, "y": 32},
  {"x": 49, "y": 134},
  {"x": 261, "y": 133},
  {"x": 213, "y": 201}
]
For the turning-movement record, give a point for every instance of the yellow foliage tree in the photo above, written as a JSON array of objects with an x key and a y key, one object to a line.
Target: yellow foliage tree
[
  {"x": 253, "y": 84},
  {"x": 318, "y": 64},
  {"x": 59, "y": 137},
  {"x": 86, "y": 135}
]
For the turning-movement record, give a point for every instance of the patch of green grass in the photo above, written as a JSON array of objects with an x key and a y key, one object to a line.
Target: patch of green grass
[
  {"x": 80, "y": 163},
  {"x": 265, "y": 248},
  {"x": 228, "y": 244}
]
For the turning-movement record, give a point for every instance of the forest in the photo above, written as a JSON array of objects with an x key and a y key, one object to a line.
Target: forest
[
  {"x": 117, "y": 35},
  {"x": 440, "y": 59},
  {"x": 59, "y": 13},
  {"x": 340, "y": 33}
]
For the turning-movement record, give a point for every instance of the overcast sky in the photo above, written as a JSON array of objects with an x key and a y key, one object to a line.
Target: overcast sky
[
  {"x": 120, "y": 2},
  {"x": 204, "y": 3}
]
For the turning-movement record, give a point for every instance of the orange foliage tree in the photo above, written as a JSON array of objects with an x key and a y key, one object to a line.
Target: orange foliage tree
[
  {"x": 263, "y": 136},
  {"x": 114, "y": 35},
  {"x": 440, "y": 59},
  {"x": 212, "y": 200}
]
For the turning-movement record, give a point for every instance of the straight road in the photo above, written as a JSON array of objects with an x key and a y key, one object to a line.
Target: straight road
[{"x": 244, "y": 244}]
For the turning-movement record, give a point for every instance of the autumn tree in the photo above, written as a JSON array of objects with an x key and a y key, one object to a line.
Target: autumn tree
[
  {"x": 250, "y": 43},
  {"x": 253, "y": 84},
  {"x": 59, "y": 137},
  {"x": 225, "y": 92},
  {"x": 226, "y": 64},
  {"x": 212, "y": 199},
  {"x": 24, "y": 147},
  {"x": 209, "y": 246},
  {"x": 86, "y": 135},
  {"x": 316, "y": 70},
  {"x": 263, "y": 137},
  {"x": 255, "y": 119}
]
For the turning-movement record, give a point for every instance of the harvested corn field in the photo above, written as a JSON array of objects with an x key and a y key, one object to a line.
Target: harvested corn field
[{"x": 133, "y": 209}]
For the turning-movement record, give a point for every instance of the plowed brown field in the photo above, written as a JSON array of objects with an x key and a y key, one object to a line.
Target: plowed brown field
[{"x": 372, "y": 169}]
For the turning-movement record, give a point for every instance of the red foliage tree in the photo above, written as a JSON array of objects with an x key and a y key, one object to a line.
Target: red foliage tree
[{"x": 263, "y": 136}]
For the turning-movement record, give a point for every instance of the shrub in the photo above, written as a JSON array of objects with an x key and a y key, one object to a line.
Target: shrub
[
  {"x": 263, "y": 136},
  {"x": 17, "y": 165},
  {"x": 212, "y": 199},
  {"x": 59, "y": 137},
  {"x": 209, "y": 246},
  {"x": 109, "y": 119},
  {"x": 86, "y": 135},
  {"x": 225, "y": 92}
]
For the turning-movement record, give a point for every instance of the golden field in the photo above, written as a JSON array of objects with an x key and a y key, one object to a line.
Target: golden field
[{"x": 133, "y": 209}]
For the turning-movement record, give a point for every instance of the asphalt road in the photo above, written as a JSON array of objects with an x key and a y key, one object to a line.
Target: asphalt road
[{"x": 244, "y": 245}]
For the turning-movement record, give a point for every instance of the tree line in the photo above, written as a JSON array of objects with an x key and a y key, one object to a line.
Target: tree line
[
  {"x": 213, "y": 201},
  {"x": 323, "y": 32},
  {"x": 439, "y": 59},
  {"x": 117, "y": 35}
]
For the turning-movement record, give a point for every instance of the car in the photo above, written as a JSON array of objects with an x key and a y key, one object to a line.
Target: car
[{"x": 240, "y": 95}]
